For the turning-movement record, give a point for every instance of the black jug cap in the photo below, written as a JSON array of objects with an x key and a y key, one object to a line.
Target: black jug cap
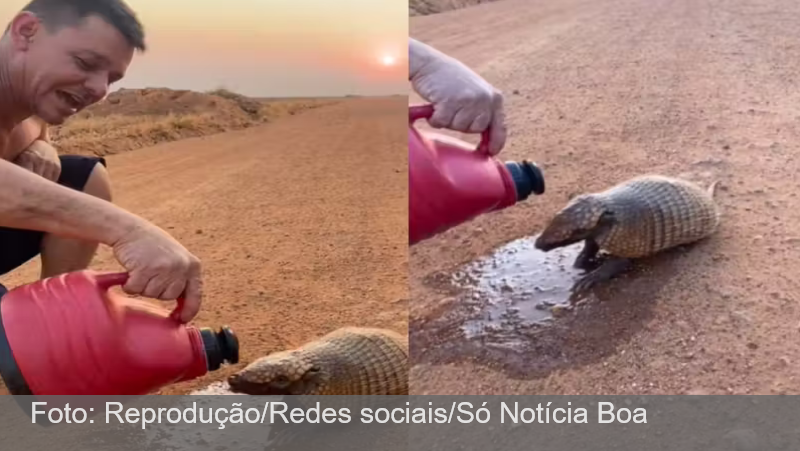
[
  {"x": 220, "y": 347},
  {"x": 528, "y": 178}
]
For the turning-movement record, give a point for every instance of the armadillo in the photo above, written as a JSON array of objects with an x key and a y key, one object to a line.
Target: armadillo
[
  {"x": 636, "y": 218},
  {"x": 347, "y": 361}
]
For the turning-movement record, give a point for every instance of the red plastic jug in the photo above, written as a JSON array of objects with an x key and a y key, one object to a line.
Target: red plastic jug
[
  {"x": 450, "y": 184},
  {"x": 69, "y": 335}
]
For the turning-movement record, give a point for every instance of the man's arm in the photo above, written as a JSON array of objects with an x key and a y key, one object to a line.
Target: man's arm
[
  {"x": 28, "y": 201},
  {"x": 159, "y": 266}
]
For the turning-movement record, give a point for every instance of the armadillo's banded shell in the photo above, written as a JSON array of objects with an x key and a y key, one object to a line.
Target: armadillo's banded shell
[
  {"x": 362, "y": 361},
  {"x": 654, "y": 213}
]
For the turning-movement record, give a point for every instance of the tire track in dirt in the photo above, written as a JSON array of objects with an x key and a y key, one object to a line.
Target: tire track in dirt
[{"x": 600, "y": 92}]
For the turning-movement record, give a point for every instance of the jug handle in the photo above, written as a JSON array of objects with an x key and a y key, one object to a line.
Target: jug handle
[
  {"x": 426, "y": 111},
  {"x": 106, "y": 281}
]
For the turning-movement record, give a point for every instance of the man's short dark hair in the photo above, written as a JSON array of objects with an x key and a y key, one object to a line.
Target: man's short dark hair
[{"x": 59, "y": 13}]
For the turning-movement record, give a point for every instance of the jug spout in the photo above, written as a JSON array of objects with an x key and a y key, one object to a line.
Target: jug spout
[
  {"x": 220, "y": 347},
  {"x": 528, "y": 178}
]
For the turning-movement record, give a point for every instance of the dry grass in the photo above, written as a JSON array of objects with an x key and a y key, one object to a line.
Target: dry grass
[
  {"x": 131, "y": 119},
  {"x": 427, "y": 7}
]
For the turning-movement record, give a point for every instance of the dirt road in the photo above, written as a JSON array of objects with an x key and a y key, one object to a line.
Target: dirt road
[
  {"x": 301, "y": 224},
  {"x": 597, "y": 92}
]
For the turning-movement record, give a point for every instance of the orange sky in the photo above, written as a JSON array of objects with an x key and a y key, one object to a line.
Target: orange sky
[{"x": 270, "y": 48}]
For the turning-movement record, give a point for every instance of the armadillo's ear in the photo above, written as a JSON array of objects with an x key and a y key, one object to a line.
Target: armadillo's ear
[{"x": 607, "y": 217}]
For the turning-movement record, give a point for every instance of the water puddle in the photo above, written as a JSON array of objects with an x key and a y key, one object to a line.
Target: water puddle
[
  {"x": 515, "y": 288},
  {"x": 516, "y": 312}
]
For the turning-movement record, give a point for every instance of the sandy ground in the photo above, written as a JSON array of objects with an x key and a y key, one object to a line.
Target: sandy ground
[
  {"x": 301, "y": 224},
  {"x": 600, "y": 91}
]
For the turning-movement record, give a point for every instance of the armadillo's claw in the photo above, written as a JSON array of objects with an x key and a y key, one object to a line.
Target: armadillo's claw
[
  {"x": 585, "y": 283},
  {"x": 609, "y": 269}
]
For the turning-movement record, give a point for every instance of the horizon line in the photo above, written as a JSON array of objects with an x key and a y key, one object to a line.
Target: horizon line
[{"x": 303, "y": 96}]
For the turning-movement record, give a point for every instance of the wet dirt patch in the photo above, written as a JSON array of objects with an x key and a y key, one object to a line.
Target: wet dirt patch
[
  {"x": 514, "y": 311},
  {"x": 517, "y": 287}
]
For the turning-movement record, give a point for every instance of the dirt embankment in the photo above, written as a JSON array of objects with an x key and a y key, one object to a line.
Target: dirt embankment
[
  {"x": 427, "y": 7},
  {"x": 130, "y": 119}
]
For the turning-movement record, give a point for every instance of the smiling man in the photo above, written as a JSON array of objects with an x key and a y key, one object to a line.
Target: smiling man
[{"x": 56, "y": 58}]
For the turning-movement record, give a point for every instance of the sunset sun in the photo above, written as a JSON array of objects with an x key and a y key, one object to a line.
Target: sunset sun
[{"x": 388, "y": 60}]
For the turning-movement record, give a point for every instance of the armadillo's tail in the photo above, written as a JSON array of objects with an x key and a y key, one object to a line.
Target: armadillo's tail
[{"x": 712, "y": 189}]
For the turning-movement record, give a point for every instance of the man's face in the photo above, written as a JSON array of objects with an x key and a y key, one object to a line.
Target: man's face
[{"x": 70, "y": 69}]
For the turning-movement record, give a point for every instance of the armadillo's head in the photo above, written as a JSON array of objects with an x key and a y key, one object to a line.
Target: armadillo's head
[
  {"x": 575, "y": 222},
  {"x": 281, "y": 373}
]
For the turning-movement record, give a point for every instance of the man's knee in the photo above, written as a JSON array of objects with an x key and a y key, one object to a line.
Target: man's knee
[
  {"x": 87, "y": 174},
  {"x": 99, "y": 183}
]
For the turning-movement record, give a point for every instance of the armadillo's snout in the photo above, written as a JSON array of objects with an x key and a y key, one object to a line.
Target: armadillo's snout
[
  {"x": 542, "y": 244},
  {"x": 234, "y": 380},
  {"x": 239, "y": 384}
]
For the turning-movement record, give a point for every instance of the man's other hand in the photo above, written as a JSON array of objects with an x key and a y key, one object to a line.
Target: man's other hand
[
  {"x": 41, "y": 158},
  {"x": 462, "y": 100}
]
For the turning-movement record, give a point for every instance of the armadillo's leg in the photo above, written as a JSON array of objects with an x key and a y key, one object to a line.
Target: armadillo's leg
[
  {"x": 611, "y": 267},
  {"x": 588, "y": 256}
]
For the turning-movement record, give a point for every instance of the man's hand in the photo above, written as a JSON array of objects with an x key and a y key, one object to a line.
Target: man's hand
[
  {"x": 462, "y": 100},
  {"x": 40, "y": 158},
  {"x": 160, "y": 268}
]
